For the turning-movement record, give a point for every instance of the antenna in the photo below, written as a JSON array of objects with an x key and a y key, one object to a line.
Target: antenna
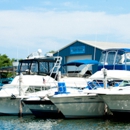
[
  {"x": 58, "y": 53},
  {"x": 94, "y": 46},
  {"x": 39, "y": 51},
  {"x": 94, "y": 52}
]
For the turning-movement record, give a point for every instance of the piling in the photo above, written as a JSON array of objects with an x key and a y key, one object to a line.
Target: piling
[{"x": 20, "y": 103}]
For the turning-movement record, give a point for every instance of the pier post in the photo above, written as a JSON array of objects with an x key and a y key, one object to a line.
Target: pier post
[
  {"x": 20, "y": 103},
  {"x": 105, "y": 77}
]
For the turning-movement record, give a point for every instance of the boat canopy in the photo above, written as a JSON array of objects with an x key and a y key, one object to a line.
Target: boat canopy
[
  {"x": 44, "y": 59},
  {"x": 80, "y": 62},
  {"x": 120, "y": 50},
  {"x": 115, "y": 59}
]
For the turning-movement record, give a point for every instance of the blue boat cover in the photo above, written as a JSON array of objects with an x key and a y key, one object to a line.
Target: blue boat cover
[{"x": 81, "y": 62}]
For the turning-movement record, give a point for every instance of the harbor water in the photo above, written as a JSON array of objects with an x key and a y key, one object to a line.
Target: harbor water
[{"x": 33, "y": 123}]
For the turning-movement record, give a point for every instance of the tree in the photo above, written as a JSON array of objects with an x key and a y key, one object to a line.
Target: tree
[
  {"x": 52, "y": 51},
  {"x": 5, "y": 61}
]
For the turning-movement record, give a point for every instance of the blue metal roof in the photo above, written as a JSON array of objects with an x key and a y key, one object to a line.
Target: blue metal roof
[{"x": 80, "y": 62}]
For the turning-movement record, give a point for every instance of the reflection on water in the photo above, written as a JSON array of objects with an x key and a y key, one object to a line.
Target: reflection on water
[{"x": 32, "y": 123}]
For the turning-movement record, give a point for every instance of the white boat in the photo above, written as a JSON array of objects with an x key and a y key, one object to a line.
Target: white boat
[
  {"x": 78, "y": 104},
  {"x": 36, "y": 73},
  {"x": 116, "y": 98}
]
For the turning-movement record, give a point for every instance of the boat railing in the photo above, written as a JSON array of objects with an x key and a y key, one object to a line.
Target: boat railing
[
  {"x": 53, "y": 86},
  {"x": 36, "y": 89},
  {"x": 95, "y": 84},
  {"x": 80, "y": 85}
]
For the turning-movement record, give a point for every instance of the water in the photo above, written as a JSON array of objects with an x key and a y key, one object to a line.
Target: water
[{"x": 32, "y": 123}]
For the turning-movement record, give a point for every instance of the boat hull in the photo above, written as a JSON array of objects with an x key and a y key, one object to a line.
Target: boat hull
[
  {"x": 117, "y": 103},
  {"x": 11, "y": 106},
  {"x": 43, "y": 109},
  {"x": 79, "y": 106}
]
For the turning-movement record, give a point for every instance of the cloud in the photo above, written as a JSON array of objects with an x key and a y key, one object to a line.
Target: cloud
[{"x": 52, "y": 30}]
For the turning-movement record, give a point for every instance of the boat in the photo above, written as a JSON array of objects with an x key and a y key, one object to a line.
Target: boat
[
  {"x": 78, "y": 104},
  {"x": 45, "y": 108},
  {"x": 35, "y": 74},
  {"x": 115, "y": 62},
  {"x": 113, "y": 68},
  {"x": 116, "y": 98},
  {"x": 78, "y": 77}
]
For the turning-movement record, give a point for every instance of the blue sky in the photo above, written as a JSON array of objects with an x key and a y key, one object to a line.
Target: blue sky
[{"x": 27, "y": 25}]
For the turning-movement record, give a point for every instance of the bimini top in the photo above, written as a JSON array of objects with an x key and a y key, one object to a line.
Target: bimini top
[{"x": 80, "y": 62}]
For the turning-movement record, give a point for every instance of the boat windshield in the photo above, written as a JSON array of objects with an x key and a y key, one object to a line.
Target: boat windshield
[
  {"x": 108, "y": 57},
  {"x": 124, "y": 84},
  {"x": 113, "y": 57},
  {"x": 35, "y": 66},
  {"x": 45, "y": 67}
]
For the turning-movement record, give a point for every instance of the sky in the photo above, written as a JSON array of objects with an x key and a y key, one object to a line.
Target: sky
[{"x": 29, "y": 25}]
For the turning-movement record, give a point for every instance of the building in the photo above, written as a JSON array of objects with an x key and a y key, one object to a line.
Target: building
[{"x": 80, "y": 49}]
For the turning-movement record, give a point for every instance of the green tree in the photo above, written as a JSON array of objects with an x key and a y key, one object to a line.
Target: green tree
[
  {"x": 5, "y": 61},
  {"x": 52, "y": 51}
]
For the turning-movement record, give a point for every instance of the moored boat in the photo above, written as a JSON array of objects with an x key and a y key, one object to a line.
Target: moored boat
[
  {"x": 36, "y": 73},
  {"x": 116, "y": 98},
  {"x": 79, "y": 105}
]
